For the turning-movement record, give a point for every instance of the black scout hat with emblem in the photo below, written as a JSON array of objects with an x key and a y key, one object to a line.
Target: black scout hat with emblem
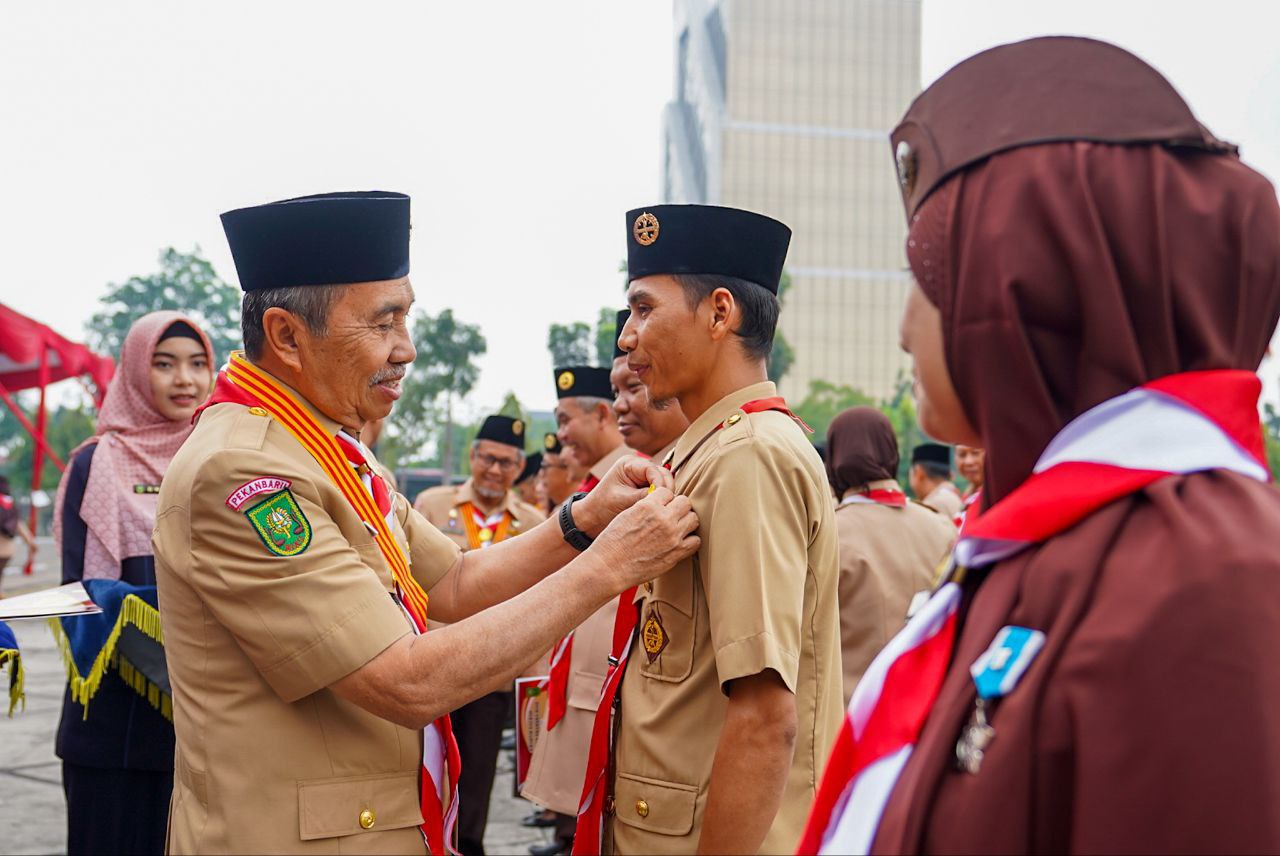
[
  {"x": 623, "y": 315},
  {"x": 931, "y": 453},
  {"x": 706, "y": 239},
  {"x": 532, "y": 464},
  {"x": 329, "y": 239},
  {"x": 503, "y": 429},
  {"x": 573, "y": 381},
  {"x": 551, "y": 444},
  {"x": 996, "y": 100}
]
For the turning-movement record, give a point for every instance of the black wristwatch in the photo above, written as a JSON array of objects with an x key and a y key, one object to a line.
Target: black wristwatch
[{"x": 576, "y": 538}]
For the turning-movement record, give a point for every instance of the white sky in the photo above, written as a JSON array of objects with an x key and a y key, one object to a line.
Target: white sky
[{"x": 522, "y": 130}]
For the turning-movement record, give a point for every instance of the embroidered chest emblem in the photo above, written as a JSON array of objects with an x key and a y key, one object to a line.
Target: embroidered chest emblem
[
  {"x": 653, "y": 636},
  {"x": 281, "y": 525}
]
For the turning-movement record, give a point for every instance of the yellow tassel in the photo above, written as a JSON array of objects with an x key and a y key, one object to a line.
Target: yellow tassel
[
  {"x": 133, "y": 611},
  {"x": 17, "y": 679}
]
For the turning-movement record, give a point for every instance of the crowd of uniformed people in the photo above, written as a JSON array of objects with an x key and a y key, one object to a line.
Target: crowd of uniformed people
[{"x": 739, "y": 645}]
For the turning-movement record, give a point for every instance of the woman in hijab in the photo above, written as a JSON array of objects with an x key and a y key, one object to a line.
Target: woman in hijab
[
  {"x": 117, "y": 751},
  {"x": 1095, "y": 673},
  {"x": 890, "y": 548}
]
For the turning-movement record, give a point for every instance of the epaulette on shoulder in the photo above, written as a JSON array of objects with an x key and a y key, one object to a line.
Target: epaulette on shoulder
[{"x": 248, "y": 429}]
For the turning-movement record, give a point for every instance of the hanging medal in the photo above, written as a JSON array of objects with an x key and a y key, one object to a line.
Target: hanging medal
[{"x": 995, "y": 673}]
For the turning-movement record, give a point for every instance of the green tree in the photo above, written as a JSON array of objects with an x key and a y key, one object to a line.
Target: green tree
[
  {"x": 186, "y": 282},
  {"x": 1271, "y": 435},
  {"x": 606, "y": 336},
  {"x": 444, "y": 371},
  {"x": 570, "y": 344},
  {"x": 824, "y": 401},
  {"x": 783, "y": 355}
]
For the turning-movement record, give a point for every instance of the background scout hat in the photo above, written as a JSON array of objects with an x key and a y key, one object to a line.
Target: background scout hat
[
  {"x": 707, "y": 239},
  {"x": 503, "y": 429},
  {"x": 623, "y": 315},
  {"x": 532, "y": 464},
  {"x": 551, "y": 443},
  {"x": 1045, "y": 90},
  {"x": 327, "y": 239},
  {"x": 931, "y": 453},
  {"x": 573, "y": 381}
]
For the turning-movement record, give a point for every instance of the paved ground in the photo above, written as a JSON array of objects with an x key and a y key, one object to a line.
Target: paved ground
[{"x": 32, "y": 813}]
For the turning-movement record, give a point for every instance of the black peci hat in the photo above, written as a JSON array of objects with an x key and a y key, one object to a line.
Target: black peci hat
[
  {"x": 532, "y": 464},
  {"x": 573, "y": 381},
  {"x": 503, "y": 429},
  {"x": 329, "y": 239},
  {"x": 551, "y": 443},
  {"x": 706, "y": 239},
  {"x": 623, "y": 315},
  {"x": 931, "y": 453}
]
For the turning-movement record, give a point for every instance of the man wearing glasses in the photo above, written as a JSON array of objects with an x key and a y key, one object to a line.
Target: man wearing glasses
[{"x": 477, "y": 513}]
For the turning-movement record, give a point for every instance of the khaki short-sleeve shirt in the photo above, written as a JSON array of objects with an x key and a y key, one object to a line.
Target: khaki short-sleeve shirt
[
  {"x": 261, "y": 614},
  {"x": 761, "y": 593}
]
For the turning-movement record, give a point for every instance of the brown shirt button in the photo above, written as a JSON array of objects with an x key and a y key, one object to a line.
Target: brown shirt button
[
  {"x": 642, "y": 808},
  {"x": 367, "y": 819}
]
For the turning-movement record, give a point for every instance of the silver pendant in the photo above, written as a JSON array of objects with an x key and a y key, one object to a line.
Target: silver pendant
[{"x": 974, "y": 739}]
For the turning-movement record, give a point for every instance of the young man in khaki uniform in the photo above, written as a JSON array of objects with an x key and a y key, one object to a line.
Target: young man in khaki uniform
[
  {"x": 308, "y": 708},
  {"x": 589, "y": 433},
  {"x": 730, "y": 698},
  {"x": 651, "y": 431},
  {"x": 481, "y": 512}
]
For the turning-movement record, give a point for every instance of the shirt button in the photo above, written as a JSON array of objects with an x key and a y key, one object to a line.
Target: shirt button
[
  {"x": 258, "y": 411},
  {"x": 642, "y": 808},
  {"x": 367, "y": 819},
  {"x": 608, "y": 805}
]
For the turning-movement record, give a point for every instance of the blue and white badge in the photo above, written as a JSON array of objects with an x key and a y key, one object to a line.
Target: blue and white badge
[{"x": 1002, "y": 665}]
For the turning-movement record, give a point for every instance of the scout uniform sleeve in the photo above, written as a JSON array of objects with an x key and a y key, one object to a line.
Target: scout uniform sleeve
[
  {"x": 431, "y": 552},
  {"x": 754, "y": 562},
  {"x": 281, "y": 577}
]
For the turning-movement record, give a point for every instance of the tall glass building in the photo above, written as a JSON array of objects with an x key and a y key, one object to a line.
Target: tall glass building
[{"x": 785, "y": 107}]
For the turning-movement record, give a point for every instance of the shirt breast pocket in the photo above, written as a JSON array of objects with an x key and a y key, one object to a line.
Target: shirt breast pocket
[{"x": 669, "y": 626}]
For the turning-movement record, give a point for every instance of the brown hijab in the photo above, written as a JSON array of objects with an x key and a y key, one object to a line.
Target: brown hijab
[
  {"x": 861, "y": 448},
  {"x": 1073, "y": 272}
]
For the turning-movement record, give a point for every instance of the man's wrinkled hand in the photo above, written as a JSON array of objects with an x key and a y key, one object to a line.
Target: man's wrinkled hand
[
  {"x": 628, "y": 481},
  {"x": 648, "y": 539}
]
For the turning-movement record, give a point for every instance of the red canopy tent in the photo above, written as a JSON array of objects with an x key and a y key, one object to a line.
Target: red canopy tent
[{"x": 33, "y": 356}]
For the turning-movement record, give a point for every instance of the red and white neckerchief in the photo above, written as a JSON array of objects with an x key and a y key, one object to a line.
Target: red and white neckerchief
[
  {"x": 879, "y": 496},
  {"x": 970, "y": 510},
  {"x": 589, "y": 835},
  {"x": 1184, "y": 423},
  {"x": 441, "y": 761}
]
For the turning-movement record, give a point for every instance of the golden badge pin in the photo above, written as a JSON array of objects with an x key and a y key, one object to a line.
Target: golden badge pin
[
  {"x": 517, "y": 428},
  {"x": 565, "y": 381},
  {"x": 646, "y": 229}
]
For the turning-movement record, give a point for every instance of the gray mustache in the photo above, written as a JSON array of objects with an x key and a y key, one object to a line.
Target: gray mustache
[{"x": 386, "y": 375}]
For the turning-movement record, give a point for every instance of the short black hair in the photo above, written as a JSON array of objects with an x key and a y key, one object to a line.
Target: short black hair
[
  {"x": 311, "y": 303},
  {"x": 759, "y": 307},
  {"x": 935, "y": 469}
]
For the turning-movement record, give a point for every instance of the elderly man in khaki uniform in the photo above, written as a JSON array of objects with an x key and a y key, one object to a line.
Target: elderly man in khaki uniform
[
  {"x": 588, "y": 430},
  {"x": 481, "y": 512},
  {"x": 729, "y": 695},
  {"x": 309, "y": 707},
  {"x": 651, "y": 431},
  {"x": 890, "y": 547}
]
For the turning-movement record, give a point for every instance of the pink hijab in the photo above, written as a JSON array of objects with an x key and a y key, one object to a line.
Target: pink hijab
[{"x": 135, "y": 444}]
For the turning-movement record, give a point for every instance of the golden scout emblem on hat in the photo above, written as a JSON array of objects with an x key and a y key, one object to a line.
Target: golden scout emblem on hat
[
  {"x": 645, "y": 229},
  {"x": 565, "y": 381},
  {"x": 517, "y": 427},
  {"x": 549, "y": 441}
]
